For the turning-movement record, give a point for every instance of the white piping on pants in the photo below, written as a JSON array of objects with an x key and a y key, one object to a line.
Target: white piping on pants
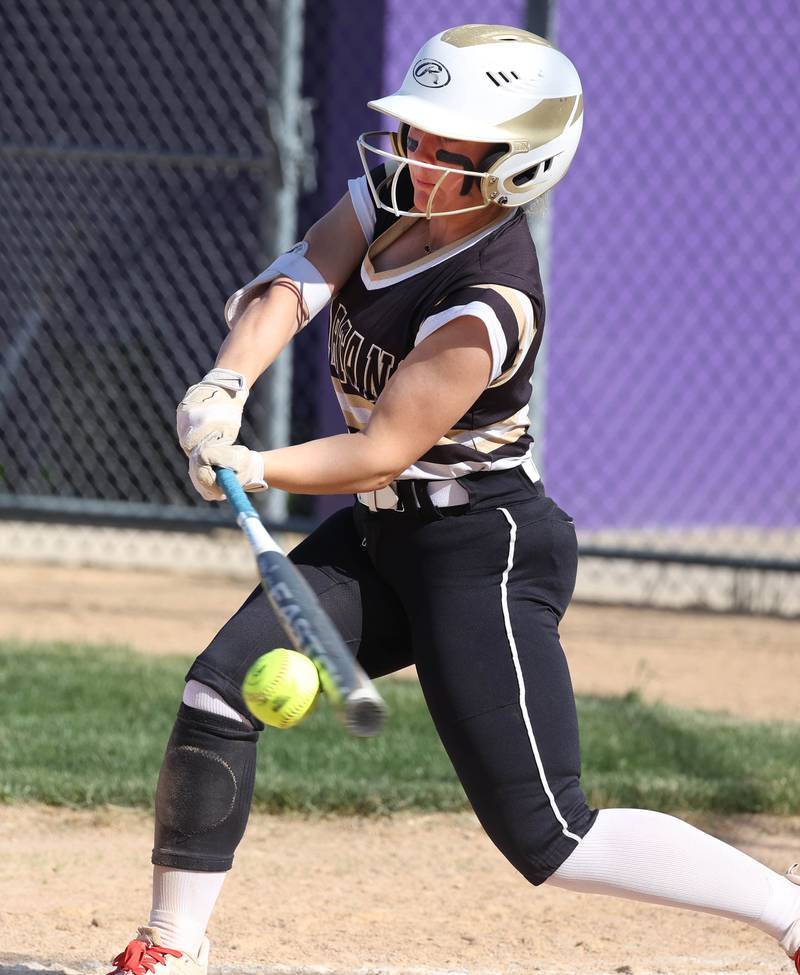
[{"x": 521, "y": 682}]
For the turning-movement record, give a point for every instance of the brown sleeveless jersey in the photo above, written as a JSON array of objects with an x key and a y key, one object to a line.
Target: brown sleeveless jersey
[{"x": 378, "y": 317}]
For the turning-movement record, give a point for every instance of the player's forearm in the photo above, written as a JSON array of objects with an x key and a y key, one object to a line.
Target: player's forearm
[
  {"x": 343, "y": 464},
  {"x": 265, "y": 329}
]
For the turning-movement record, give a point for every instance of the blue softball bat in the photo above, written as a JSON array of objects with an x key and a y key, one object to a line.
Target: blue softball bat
[{"x": 305, "y": 622}]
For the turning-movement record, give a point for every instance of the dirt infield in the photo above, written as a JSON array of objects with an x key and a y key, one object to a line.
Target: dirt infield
[{"x": 409, "y": 894}]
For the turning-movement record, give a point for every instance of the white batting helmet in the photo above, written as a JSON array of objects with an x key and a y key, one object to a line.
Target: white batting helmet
[{"x": 499, "y": 85}]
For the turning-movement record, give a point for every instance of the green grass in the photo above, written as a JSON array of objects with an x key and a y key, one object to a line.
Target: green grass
[{"x": 83, "y": 726}]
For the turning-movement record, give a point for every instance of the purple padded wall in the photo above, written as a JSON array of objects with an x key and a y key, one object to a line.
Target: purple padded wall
[{"x": 674, "y": 356}]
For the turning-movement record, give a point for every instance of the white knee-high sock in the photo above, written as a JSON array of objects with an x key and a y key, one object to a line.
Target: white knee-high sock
[
  {"x": 182, "y": 904},
  {"x": 653, "y": 857},
  {"x": 183, "y": 900}
]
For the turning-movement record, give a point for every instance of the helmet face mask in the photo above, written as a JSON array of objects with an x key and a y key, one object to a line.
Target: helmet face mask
[
  {"x": 398, "y": 162},
  {"x": 523, "y": 98}
]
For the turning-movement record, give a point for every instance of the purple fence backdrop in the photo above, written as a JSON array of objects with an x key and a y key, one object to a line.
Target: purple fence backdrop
[{"x": 674, "y": 348}]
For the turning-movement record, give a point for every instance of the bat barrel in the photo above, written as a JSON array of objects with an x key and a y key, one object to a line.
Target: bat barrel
[{"x": 365, "y": 713}]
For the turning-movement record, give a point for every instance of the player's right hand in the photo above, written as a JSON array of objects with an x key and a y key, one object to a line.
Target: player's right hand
[
  {"x": 212, "y": 409},
  {"x": 246, "y": 464}
]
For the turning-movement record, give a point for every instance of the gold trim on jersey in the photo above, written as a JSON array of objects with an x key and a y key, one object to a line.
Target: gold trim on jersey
[
  {"x": 357, "y": 411},
  {"x": 487, "y": 439},
  {"x": 526, "y": 332},
  {"x": 374, "y": 278},
  {"x": 353, "y": 407},
  {"x": 430, "y": 471}
]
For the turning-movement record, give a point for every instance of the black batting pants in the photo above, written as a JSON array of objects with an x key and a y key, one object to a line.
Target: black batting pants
[{"x": 473, "y": 597}]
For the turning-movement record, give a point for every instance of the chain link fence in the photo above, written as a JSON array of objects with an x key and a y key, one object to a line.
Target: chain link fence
[
  {"x": 140, "y": 172},
  {"x": 154, "y": 155}
]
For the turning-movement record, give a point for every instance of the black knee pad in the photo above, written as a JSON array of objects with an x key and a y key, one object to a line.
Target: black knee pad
[{"x": 204, "y": 791}]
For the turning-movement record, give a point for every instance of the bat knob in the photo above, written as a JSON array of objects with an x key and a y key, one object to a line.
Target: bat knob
[{"x": 365, "y": 713}]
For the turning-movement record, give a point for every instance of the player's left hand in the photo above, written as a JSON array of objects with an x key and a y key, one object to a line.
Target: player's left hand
[{"x": 246, "y": 464}]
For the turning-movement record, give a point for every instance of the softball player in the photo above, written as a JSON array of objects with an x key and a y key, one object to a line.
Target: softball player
[{"x": 453, "y": 558}]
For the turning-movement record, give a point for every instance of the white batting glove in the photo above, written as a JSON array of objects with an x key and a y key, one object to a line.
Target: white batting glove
[
  {"x": 246, "y": 464},
  {"x": 212, "y": 409}
]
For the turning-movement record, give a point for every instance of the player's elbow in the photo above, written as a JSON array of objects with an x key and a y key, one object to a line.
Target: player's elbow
[
  {"x": 374, "y": 482},
  {"x": 385, "y": 467},
  {"x": 386, "y": 458}
]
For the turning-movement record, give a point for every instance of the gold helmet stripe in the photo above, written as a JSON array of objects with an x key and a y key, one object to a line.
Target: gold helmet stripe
[
  {"x": 548, "y": 119},
  {"x": 470, "y": 35}
]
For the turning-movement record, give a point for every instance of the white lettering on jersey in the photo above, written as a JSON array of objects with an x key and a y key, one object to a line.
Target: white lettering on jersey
[
  {"x": 344, "y": 344},
  {"x": 379, "y": 366},
  {"x": 367, "y": 377}
]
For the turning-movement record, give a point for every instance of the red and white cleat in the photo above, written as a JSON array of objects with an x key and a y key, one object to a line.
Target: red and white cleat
[
  {"x": 146, "y": 956},
  {"x": 793, "y": 874}
]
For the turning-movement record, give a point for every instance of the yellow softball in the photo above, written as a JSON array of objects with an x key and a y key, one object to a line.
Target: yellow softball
[{"x": 281, "y": 687}]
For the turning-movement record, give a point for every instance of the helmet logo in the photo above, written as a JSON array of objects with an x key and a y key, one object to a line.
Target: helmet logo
[{"x": 430, "y": 73}]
